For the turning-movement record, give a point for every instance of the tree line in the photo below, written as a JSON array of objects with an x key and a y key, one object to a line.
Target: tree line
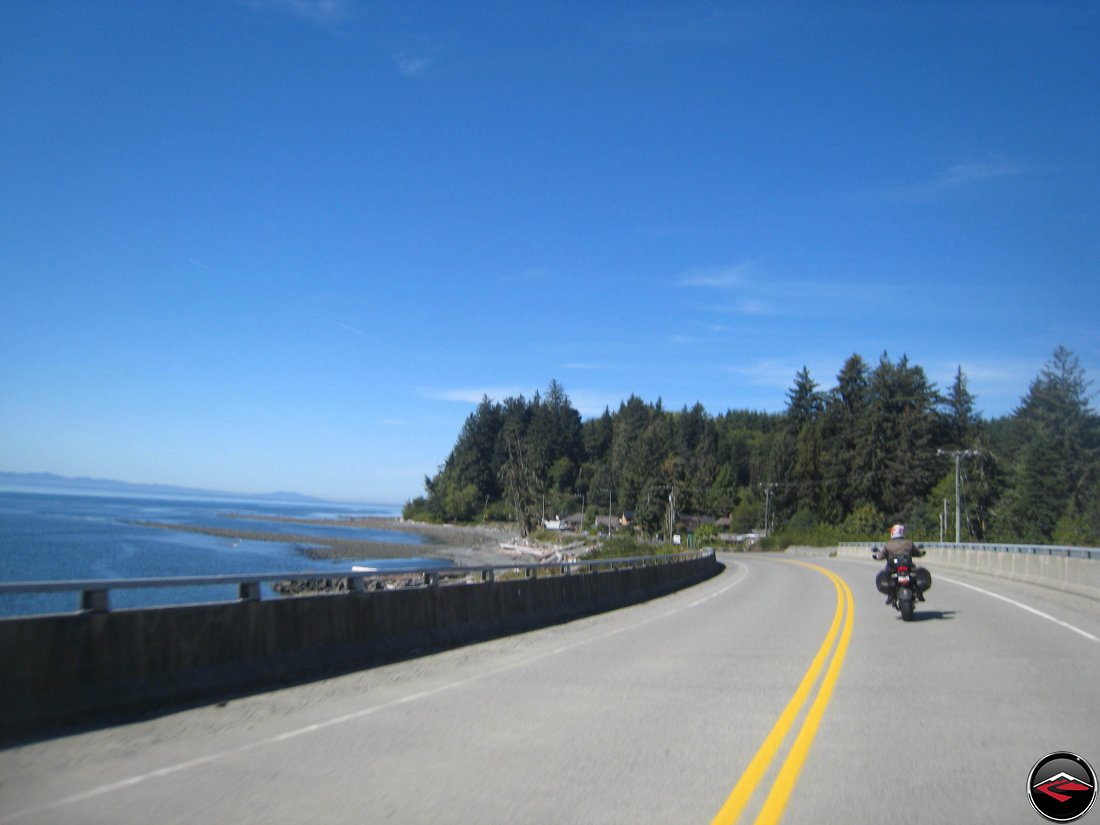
[{"x": 882, "y": 445}]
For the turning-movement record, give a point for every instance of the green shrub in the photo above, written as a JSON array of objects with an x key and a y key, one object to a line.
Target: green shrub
[
  {"x": 705, "y": 535},
  {"x": 865, "y": 522},
  {"x": 821, "y": 535},
  {"x": 619, "y": 547},
  {"x": 418, "y": 509}
]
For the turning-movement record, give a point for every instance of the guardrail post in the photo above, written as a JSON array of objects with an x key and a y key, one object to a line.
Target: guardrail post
[
  {"x": 248, "y": 591},
  {"x": 94, "y": 601},
  {"x": 431, "y": 579},
  {"x": 488, "y": 576},
  {"x": 355, "y": 584}
]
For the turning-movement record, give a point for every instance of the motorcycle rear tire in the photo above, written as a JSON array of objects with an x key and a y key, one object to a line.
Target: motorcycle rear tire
[{"x": 905, "y": 605}]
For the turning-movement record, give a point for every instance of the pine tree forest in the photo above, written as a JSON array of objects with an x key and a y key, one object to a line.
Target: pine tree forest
[{"x": 882, "y": 445}]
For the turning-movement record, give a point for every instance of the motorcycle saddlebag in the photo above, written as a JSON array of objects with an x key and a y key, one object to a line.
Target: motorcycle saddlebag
[
  {"x": 882, "y": 581},
  {"x": 922, "y": 579}
]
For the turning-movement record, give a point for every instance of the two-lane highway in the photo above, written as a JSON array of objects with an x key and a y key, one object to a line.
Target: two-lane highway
[{"x": 659, "y": 713}]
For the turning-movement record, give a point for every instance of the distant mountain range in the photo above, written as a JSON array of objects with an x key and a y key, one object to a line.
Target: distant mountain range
[{"x": 52, "y": 481}]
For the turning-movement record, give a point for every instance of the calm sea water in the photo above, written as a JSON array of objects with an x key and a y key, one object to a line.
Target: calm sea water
[{"x": 48, "y": 536}]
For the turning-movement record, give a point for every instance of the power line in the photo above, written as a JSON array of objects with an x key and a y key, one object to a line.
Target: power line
[{"x": 959, "y": 455}]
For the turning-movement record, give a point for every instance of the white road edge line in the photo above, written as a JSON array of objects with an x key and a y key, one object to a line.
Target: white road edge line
[
  {"x": 1023, "y": 606},
  {"x": 168, "y": 770}
]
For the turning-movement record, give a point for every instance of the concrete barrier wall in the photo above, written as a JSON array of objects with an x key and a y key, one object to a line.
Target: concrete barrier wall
[
  {"x": 1062, "y": 572},
  {"x": 65, "y": 668}
]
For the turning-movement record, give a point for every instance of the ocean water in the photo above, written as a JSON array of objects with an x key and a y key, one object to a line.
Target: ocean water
[{"x": 51, "y": 536}]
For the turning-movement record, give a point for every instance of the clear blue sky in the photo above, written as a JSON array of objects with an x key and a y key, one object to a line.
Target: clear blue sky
[{"x": 289, "y": 244}]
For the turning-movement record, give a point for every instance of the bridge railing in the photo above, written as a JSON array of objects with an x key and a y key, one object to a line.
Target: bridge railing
[
  {"x": 1061, "y": 551},
  {"x": 1065, "y": 568},
  {"x": 69, "y": 665},
  {"x": 93, "y": 595}
]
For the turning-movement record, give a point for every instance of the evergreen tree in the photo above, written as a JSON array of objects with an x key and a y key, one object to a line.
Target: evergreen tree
[
  {"x": 799, "y": 459},
  {"x": 1055, "y": 466},
  {"x": 695, "y": 463},
  {"x": 629, "y": 467},
  {"x": 845, "y": 468},
  {"x": 596, "y": 436},
  {"x": 961, "y": 420},
  {"x": 899, "y": 441}
]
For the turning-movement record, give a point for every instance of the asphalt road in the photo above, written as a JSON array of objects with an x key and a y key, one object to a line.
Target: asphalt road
[{"x": 659, "y": 713}]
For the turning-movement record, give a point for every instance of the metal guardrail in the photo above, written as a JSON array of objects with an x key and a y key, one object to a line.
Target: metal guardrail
[
  {"x": 1027, "y": 549},
  {"x": 95, "y": 593}
]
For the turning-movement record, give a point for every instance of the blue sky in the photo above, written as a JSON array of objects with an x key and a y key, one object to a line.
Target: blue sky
[{"x": 289, "y": 244}]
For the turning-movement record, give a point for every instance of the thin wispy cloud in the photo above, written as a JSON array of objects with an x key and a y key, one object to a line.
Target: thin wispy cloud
[
  {"x": 706, "y": 334},
  {"x": 319, "y": 12},
  {"x": 675, "y": 24},
  {"x": 589, "y": 403},
  {"x": 766, "y": 373},
  {"x": 592, "y": 403},
  {"x": 997, "y": 381},
  {"x": 781, "y": 372},
  {"x": 474, "y": 395},
  {"x": 421, "y": 59},
  {"x": 963, "y": 176},
  {"x": 587, "y": 366},
  {"x": 528, "y": 275},
  {"x": 752, "y": 306},
  {"x": 729, "y": 279},
  {"x": 413, "y": 65},
  {"x": 718, "y": 278},
  {"x": 397, "y": 423},
  {"x": 683, "y": 340},
  {"x": 201, "y": 265},
  {"x": 971, "y": 172},
  {"x": 717, "y": 329},
  {"x": 349, "y": 328},
  {"x": 345, "y": 327}
]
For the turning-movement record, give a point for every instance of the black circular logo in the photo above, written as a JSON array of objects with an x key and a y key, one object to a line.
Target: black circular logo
[{"x": 1062, "y": 786}]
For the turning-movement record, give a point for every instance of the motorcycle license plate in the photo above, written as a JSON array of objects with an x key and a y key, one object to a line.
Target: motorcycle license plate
[{"x": 903, "y": 580}]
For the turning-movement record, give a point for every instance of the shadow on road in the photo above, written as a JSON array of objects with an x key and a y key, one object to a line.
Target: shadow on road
[{"x": 925, "y": 615}]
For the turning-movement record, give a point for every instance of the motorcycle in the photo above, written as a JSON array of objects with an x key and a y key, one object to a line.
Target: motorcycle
[{"x": 902, "y": 582}]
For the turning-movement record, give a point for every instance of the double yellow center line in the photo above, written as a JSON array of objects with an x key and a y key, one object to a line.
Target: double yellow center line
[{"x": 784, "y": 783}]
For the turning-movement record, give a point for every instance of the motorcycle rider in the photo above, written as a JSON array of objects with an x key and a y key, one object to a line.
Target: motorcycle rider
[{"x": 898, "y": 545}]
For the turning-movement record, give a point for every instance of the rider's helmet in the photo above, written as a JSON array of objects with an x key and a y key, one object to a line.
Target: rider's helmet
[{"x": 897, "y": 531}]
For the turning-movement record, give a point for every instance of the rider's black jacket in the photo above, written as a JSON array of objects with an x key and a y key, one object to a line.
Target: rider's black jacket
[{"x": 899, "y": 547}]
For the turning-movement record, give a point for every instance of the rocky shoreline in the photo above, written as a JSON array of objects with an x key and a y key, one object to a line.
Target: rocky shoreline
[{"x": 463, "y": 546}]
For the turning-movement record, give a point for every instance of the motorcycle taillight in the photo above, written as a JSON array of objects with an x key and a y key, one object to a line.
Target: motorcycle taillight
[{"x": 903, "y": 568}]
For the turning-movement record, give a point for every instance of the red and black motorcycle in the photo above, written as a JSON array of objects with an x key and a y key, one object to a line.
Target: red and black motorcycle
[{"x": 902, "y": 582}]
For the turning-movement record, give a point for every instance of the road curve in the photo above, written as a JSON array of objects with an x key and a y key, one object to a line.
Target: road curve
[{"x": 658, "y": 713}]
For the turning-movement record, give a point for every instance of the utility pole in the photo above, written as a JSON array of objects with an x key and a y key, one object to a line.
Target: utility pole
[
  {"x": 671, "y": 513},
  {"x": 958, "y": 484},
  {"x": 767, "y": 507}
]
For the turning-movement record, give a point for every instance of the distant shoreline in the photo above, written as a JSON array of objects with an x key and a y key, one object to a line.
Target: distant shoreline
[{"x": 66, "y": 485}]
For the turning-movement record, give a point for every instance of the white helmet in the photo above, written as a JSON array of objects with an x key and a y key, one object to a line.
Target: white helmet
[{"x": 897, "y": 531}]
